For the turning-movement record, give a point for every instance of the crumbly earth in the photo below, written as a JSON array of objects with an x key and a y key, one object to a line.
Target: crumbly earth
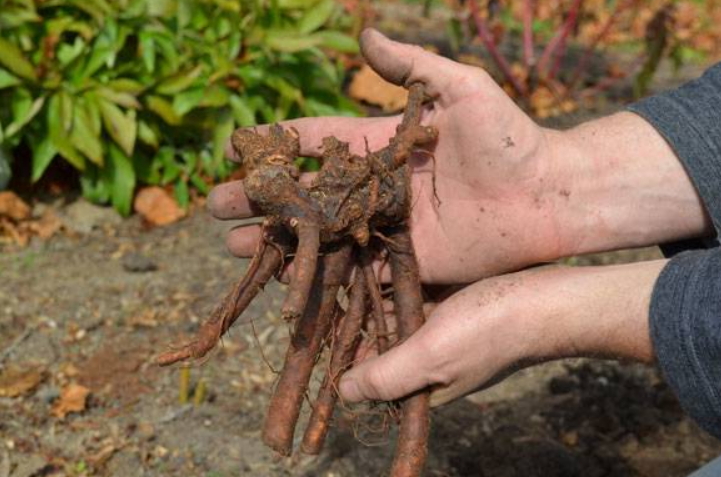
[{"x": 88, "y": 318}]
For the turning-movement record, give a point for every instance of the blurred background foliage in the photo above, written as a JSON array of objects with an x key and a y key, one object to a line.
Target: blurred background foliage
[
  {"x": 128, "y": 93},
  {"x": 148, "y": 91}
]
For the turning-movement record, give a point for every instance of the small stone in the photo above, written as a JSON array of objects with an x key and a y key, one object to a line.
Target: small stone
[
  {"x": 83, "y": 217},
  {"x": 138, "y": 263}
]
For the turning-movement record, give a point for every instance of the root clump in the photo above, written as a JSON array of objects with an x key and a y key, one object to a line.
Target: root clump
[{"x": 330, "y": 229}]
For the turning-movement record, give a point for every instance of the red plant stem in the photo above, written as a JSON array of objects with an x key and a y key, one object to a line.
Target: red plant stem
[
  {"x": 310, "y": 331},
  {"x": 412, "y": 446},
  {"x": 484, "y": 33},
  {"x": 583, "y": 63},
  {"x": 553, "y": 50},
  {"x": 344, "y": 348},
  {"x": 529, "y": 55}
]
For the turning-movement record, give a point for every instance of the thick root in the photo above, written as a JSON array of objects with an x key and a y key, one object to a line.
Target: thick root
[
  {"x": 265, "y": 264},
  {"x": 309, "y": 334},
  {"x": 344, "y": 347},
  {"x": 306, "y": 262},
  {"x": 412, "y": 447}
]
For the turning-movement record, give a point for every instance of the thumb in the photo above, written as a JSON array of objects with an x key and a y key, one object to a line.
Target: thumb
[
  {"x": 403, "y": 64},
  {"x": 392, "y": 375}
]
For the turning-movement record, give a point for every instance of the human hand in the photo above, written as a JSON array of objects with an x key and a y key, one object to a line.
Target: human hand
[
  {"x": 492, "y": 166},
  {"x": 491, "y": 328}
]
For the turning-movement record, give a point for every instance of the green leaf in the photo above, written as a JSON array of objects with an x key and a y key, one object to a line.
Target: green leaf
[
  {"x": 66, "y": 110},
  {"x": 147, "y": 50},
  {"x": 7, "y": 80},
  {"x": 182, "y": 194},
  {"x": 12, "y": 58},
  {"x": 242, "y": 111},
  {"x": 293, "y": 4},
  {"x": 59, "y": 137},
  {"x": 338, "y": 41},
  {"x": 178, "y": 82},
  {"x": 164, "y": 109},
  {"x": 221, "y": 134},
  {"x": 121, "y": 175},
  {"x": 123, "y": 128},
  {"x": 27, "y": 116},
  {"x": 187, "y": 100},
  {"x": 215, "y": 96},
  {"x": 43, "y": 154},
  {"x": 125, "y": 100},
  {"x": 290, "y": 42},
  {"x": 317, "y": 16},
  {"x": 83, "y": 135},
  {"x": 200, "y": 184},
  {"x": 147, "y": 135},
  {"x": 126, "y": 85}
]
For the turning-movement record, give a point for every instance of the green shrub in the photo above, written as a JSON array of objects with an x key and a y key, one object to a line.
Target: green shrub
[{"x": 148, "y": 91}]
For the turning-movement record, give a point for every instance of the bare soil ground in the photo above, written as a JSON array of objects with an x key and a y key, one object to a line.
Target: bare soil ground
[{"x": 79, "y": 310}]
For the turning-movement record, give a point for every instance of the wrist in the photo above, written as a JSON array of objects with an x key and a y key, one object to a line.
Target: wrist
[
  {"x": 621, "y": 185},
  {"x": 594, "y": 311}
]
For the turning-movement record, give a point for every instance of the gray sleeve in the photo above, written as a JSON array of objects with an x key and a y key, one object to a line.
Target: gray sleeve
[
  {"x": 685, "y": 313},
  {"x": 686, "y": 333},
  {"x": 689, "y": 118}
]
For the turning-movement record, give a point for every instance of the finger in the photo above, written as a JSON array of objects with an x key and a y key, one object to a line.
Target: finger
[
  {"x": 404, "y": 64},
  {"x": 392, "y": 375},
  {"x": 243, "y": 241},
  {"x": 354, "y": 131},
  {"x": 228, "y": 201}
]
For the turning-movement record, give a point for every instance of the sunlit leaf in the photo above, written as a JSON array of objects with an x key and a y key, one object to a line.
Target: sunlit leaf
[
  {"x": 147, "y": 135},
  {"x": 120, "y": 98},
  {"x": 83, "y": 135},
  {"x": 27, "y": 116},
  {"x": 7, "y": 80},
  {"x": 177, "y": 83},
  {"x": 58, "y": 136},
  {"x": 187, "y": 100},
  {"x": 337, "y": 41},
  {"x": 164, "y": 109},
  {"x": 317, "y": 16},
  {"x": 242, "y": 112},
  {"x": 12, "y": 58},
  {"x": 122, "y": 127},
  {"x": 290, "y": 42}
]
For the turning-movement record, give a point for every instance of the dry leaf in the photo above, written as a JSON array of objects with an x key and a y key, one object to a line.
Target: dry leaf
[
  {"x": 13, "y": 206},
  {"x": 16, "y": 382},
  {"x": 369, "y": 87},
  {"x": 156, "y": 206},
  {"x": 73, "y": 398},
  {"x": 47, "y": 226}
]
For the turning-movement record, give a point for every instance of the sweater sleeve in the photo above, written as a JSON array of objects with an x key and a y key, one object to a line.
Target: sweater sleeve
[{"x": 685, "y": 313}]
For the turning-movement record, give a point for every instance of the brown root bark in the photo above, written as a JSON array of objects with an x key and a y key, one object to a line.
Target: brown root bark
[
  {"x": 265, "y": 264},
  {"x": 308, "y": 336},
  {"x": 306, "y": 261},
  {"x": 379, "y": 318},
  {"x": 412, "y": 447},
  {"x": 344, "y": 347}
]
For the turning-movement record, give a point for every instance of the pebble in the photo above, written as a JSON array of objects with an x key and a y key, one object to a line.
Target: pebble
[{"x": 138, "y": 263}]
